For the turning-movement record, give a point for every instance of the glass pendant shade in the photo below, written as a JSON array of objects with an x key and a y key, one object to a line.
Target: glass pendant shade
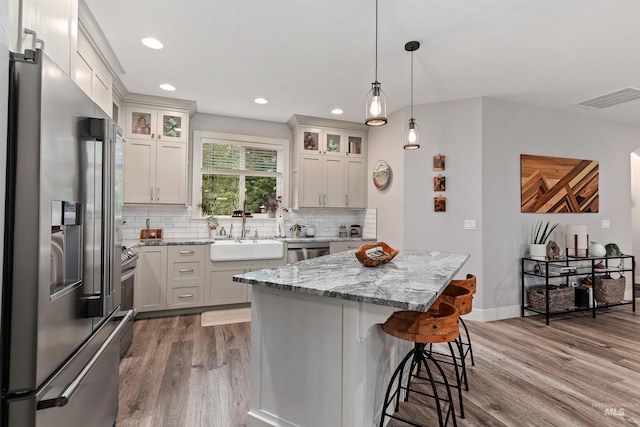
[
  {"x": 376, "y": 114},
  {"x": 411, "y": 131},
  {"x": 411, "y": 135}
]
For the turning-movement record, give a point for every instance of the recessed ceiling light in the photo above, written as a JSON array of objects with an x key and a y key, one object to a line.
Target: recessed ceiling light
[
  {"x": 167, "y": 86},
  {"x": 260, "y": 101},
  {"x": 152, "y": 43},
  {"x": 337, "y": 111}
]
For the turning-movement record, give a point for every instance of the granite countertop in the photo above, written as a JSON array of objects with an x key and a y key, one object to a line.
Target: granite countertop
[
  {"x": 187, "y": 241},
  {"x": 411, "y": 281}
]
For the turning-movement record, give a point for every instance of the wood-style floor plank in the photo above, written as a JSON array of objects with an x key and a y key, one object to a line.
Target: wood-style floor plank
[{"x": 177, "y": 373}]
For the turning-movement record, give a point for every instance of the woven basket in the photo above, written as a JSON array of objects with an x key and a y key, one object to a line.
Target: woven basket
[
  {"x": 560, "y": 298},
  {"x": 608, "y": 290}
]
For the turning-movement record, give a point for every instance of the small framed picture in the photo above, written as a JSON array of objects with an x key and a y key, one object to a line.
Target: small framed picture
[
  {"x": 440, "y": 204},
  {"x": 438, "y": 162},
  {"x": 439, "y": 183}
]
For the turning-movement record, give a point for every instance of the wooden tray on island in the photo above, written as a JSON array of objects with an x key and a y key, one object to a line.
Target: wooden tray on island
[{"x": 375, "y": 254}]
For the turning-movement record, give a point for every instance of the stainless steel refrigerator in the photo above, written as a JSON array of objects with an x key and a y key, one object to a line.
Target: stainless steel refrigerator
[{"x": 61, "y": 278}]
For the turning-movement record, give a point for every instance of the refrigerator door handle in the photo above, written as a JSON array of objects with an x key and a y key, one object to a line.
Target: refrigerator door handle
[{"x": 70, "y": 390}]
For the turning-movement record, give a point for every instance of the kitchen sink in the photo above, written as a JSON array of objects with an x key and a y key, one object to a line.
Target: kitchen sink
[{"x": 241, "y": 250}]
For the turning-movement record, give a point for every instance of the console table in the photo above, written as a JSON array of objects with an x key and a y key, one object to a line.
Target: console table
[{"x": 567, "y": 270}]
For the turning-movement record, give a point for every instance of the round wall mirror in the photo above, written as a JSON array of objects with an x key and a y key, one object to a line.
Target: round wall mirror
[{"x": 381, "y": 174}]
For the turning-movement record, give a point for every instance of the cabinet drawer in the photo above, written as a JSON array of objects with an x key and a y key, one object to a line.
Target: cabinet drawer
[
  {"x": 185, "y": 272},
  {"x": 184, "y": 296},
  {"x": 187, "y": 252}
]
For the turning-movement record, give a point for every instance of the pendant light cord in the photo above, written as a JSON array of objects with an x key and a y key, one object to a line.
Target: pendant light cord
[
  {"x": 376, "y": 79},
  {"x": 412, "y": 84}
]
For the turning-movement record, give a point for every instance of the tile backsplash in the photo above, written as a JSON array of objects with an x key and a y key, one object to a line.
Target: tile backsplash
[{"x": 177, "y": 223}]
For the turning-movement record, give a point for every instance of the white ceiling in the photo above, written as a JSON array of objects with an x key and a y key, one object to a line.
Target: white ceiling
[{"x": 309, "y": 56}]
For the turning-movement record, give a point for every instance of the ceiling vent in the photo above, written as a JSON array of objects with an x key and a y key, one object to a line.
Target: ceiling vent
[{"x": 610, "y": 99}]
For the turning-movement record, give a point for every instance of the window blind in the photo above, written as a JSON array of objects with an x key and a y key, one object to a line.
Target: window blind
[{"x": 217, "y": 155}]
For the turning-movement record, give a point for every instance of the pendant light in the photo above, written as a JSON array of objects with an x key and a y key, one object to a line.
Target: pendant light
[
  {"x": 376, "y": 106},
  {"x": 411, "y": 132}
]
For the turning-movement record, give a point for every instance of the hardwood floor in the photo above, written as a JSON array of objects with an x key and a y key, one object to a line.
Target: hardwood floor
[
  {"x": 179, "y": 374},
  {"x": 577, "y": 371}
]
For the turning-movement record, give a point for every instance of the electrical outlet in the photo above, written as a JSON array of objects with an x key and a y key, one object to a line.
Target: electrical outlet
[
  {"x": 469, "y": 224},
  {"x": 606, "y": 223}
]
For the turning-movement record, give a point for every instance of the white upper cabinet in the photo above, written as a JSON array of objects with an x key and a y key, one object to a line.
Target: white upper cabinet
[
  {"x": 156, "y": 124},
  {"x": 93, "y": 75},
  {"x": 329, "y": 162},
  {"x": 55, "y": 23},
  {"x": 155, "y": 156}
]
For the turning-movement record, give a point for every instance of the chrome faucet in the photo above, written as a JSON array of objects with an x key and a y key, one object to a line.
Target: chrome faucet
[
  {"x": 255, "y": 236},
  {"x": 231, "y": 231},
  {"x": 243, "y": 232}
]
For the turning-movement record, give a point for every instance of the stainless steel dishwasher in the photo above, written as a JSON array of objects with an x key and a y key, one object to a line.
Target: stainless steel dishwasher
[{"x": 299, "y": 251}]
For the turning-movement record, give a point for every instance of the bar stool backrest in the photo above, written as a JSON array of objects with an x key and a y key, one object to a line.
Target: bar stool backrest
[
  {"x": 458, "y": 296},
  {"x": 469, "y": 283},
  {"x": 438, "y": 324}
]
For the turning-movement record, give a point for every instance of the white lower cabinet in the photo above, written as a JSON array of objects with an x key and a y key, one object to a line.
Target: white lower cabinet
[
  {"x": 150, "y": 290},
  {"x": 219, "y": 284},
  {"x": 182, "y": 276},
  {"x": 221, "y": 289},
  {"x": 185, "y": 276}
]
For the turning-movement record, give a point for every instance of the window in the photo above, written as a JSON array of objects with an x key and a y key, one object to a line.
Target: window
[{"x": 231, "y": 170}]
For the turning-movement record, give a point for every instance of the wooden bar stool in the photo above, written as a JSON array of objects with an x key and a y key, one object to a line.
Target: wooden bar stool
[
  {"x": 438, "y": 325},
  {"x": 469, "y": 283},
  {"x": 461, "y": 298}
]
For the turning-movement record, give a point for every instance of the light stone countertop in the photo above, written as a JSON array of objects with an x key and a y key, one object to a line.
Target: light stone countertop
[
  {"x": 411, "y": 281},
  {"x": 186, "y": 241}
]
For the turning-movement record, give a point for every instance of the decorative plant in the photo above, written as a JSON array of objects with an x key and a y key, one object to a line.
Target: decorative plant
[
  {"x": 296, "y": 227},
  {"x": 212, "y": 222},
  {"x": 540, "y": 234},
  {"x": 273, "y": 205}
]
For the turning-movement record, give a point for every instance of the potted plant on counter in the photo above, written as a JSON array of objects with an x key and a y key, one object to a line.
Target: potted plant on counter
[
  {"x": 296, "y": 229},
  {"x": 273, "y": 206},
  {"x": 540, "y": 233}
]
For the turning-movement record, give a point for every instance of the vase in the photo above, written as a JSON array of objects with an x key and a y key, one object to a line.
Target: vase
[
  {"x": 538, "y": 251},
  {"x": 271, "y": 214},
  {"x": 296, "y": 233},
  {"x": 597, "y": 249}
]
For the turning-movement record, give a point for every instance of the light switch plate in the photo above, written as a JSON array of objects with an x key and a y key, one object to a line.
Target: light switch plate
[
  {"x": 469, "y": 224},
  {"x": 606, "y": 223}
]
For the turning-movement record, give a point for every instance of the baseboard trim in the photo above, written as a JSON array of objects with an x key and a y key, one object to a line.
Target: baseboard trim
[{"x": 488, "y": 315}]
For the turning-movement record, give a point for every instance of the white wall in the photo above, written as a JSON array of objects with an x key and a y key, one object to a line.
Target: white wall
[
  {"x": 513, "y": 129},
  {"x": 385, "y": 143},
  {"x": 482, "y": 140},
  {"x": 240, "y": 126}
]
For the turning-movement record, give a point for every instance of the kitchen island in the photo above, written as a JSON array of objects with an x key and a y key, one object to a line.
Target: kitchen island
[{"x": 318, "y": 356}]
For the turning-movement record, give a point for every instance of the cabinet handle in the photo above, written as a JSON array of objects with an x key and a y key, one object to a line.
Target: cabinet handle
[
  {"x": 152, "y": 194},
  {"x": 324, "y": 199},
  {"x": 159, "y": 136},
  {"x": 346, "y": 200},
  {"x": 185, "y": 296},
  {"x": 186, "y": 270},
  {"x": 158, "y": 194},
  {"x": 319, "y": 199},
  {"x": 153, "y": 136},
  {"x": 185, "y": 252}
]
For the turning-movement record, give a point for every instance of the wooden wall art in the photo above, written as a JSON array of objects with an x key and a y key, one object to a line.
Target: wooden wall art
[
  {"x": 439, "y": 183},
  {"x": 440, "y": 204},
  {"x": 557, "y": 184},
  {"x": 438, "y": 162}
]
